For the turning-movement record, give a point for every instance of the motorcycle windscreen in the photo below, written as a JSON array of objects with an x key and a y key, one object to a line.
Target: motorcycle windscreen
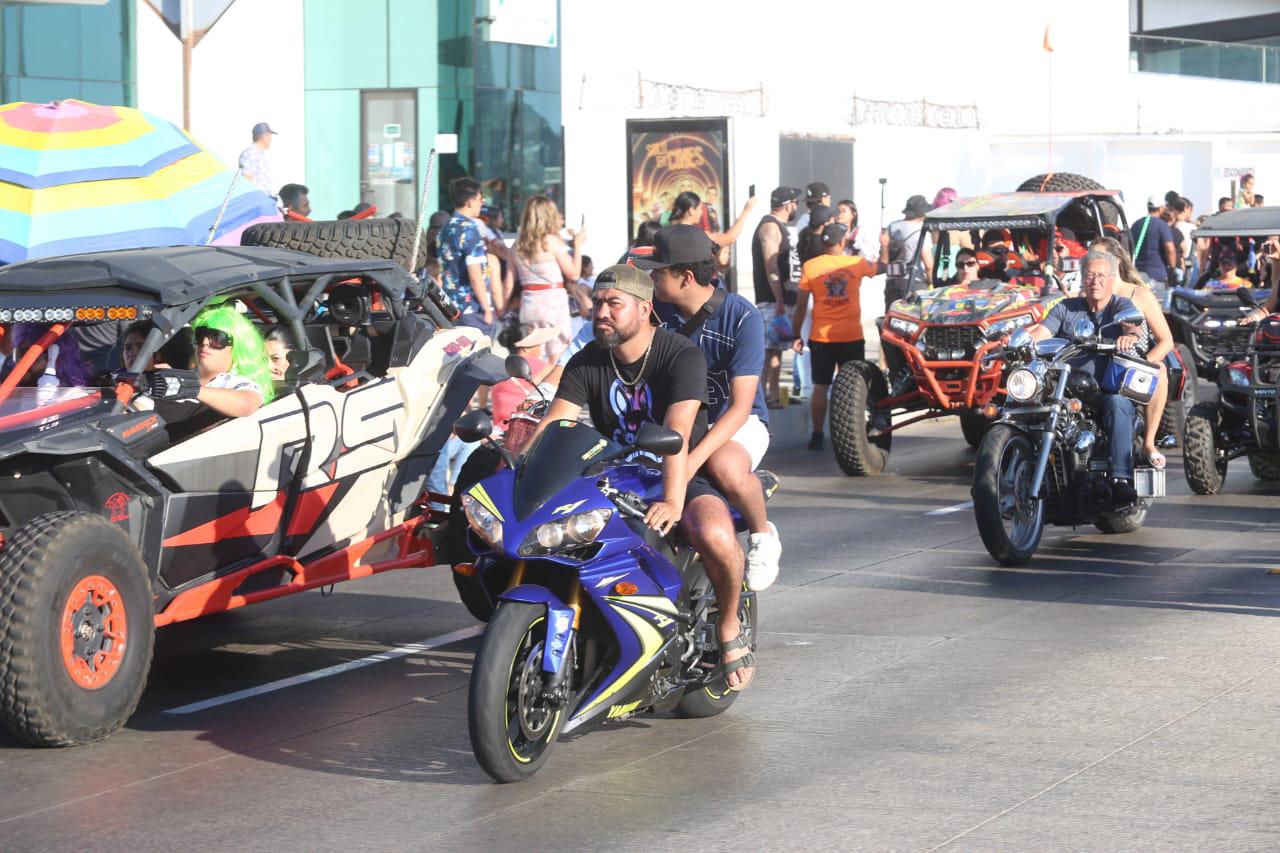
[{"x": 556, "y": 458}]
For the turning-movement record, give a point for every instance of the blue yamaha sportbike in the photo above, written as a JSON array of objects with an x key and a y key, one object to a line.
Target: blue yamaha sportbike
[{"x": 596, "y": 617}]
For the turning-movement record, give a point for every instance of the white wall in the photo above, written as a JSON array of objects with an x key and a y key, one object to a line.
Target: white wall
[
  {"x": 246, "y": 70},
  {"x": 1138, "y": 132}
]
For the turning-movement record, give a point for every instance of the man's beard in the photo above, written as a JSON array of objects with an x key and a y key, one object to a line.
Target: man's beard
[{"x": 611, "y": 337}]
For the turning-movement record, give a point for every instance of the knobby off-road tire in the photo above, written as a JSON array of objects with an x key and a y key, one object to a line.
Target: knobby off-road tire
[
  {"x": 974, "y": 426},
  {"x": 345, "y": 238},
  {"x": 1205, "y": 472},
  {"x": 857, "y": 388},
  {"x": 483, "y": 462},
  {"x": 1123, "y": 522},
  {"x": 61, "y": 574},
  {"x": 1265, "y": 466},
  {"x": 1005, "y": 456},
  {"x": 1174, "y": 419},
  {"x": 716, "y": 698},
  {"x": 1058, "y": 182},
  {"x": 502, "y": 748}
]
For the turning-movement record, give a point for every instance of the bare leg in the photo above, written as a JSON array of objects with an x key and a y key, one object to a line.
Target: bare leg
[
  {"x": 1155, "y": 410},
  {"x": 772, "y": 375},
  {"x": 818, "y": 406},
  {"x": 730, "y": 470},
  {"x": 709, "y": 527}
]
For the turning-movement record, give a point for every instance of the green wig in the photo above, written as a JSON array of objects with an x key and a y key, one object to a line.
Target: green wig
[{"x": 248, "y": 350}]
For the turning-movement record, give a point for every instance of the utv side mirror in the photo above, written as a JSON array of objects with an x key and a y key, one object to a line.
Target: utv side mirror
[
  {"x": 474, "y": 426},
  {"x": 518, "y": 367},
  {"x": 659, "y": 440},
  {"x": 1251, "y": 298}
]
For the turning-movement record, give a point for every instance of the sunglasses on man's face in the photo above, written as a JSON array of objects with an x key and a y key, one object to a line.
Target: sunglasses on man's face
[{"x": 215, "y": 338}]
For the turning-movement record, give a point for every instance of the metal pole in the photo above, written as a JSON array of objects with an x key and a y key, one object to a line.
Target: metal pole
[
  {"x": 187, "y": 27},
  {"x": 883, "y": 181},
  {"x": 422, "y": 209},
  {"x": 213, "y": 229}
]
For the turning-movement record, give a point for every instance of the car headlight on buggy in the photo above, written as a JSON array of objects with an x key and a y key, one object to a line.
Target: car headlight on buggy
[
  {"x": 1022, "y": 385},
  {"x": 906, "y": 328},
  {"x": 565, "y": 534},
  {"x": 482, "y": 520},
  {"x": 1239, "y": 374},
  {"x": 1008, "y": 324}
]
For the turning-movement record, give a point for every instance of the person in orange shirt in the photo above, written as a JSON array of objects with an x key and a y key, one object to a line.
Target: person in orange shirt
[{"x": 835, "y": 280}]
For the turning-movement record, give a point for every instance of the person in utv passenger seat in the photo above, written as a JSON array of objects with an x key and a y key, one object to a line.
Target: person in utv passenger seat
[{"x": 232, "y": 375}]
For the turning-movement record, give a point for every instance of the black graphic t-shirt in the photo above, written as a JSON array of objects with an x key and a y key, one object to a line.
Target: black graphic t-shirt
[{"x": 676, "y": 372}]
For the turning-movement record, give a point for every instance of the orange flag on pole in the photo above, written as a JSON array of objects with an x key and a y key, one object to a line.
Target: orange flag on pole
[{"x": 1048, "y": 41}]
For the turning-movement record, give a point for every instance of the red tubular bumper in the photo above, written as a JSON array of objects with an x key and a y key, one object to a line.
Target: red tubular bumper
[{"x": 975, "y": 388}]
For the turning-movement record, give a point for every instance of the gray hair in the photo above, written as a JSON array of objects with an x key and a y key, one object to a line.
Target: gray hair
[{"x": 1100, "y": 254}]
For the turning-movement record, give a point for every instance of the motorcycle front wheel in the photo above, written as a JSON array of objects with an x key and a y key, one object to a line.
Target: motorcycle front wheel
[
  {"x": 1009, "y": 520},
  {"x": 512, "y": 726}
]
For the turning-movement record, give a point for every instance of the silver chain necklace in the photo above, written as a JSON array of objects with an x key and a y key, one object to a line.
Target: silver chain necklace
[{"x": 643, "y": 365}]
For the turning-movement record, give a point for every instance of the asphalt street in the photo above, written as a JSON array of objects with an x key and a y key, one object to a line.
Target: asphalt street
[{"x": 1120, "y": 692}]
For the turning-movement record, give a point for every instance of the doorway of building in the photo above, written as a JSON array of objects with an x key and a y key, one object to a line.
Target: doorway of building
[
  {"x": 389, "y": 155},
  {"x": 804, "y": 159}
]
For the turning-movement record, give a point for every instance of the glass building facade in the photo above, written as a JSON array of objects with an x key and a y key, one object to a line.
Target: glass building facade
[
  {"x": 384, "y": 77},
  {"x": 51, "y": 51}
]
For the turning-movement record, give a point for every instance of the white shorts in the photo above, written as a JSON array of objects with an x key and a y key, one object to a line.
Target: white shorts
[{"x": 754, "y": 438}]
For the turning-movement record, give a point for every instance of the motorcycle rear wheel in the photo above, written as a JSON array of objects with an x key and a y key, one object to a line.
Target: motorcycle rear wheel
[
  {"x": 512, "y": 727},
  {"x": 1008, "y": 521},
  {"x": 716, "y": 698}
]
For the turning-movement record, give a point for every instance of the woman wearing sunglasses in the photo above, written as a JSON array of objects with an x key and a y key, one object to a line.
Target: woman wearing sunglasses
[
  {"x": 232, "y": 375},
  {"x": 967, "y": 269}
]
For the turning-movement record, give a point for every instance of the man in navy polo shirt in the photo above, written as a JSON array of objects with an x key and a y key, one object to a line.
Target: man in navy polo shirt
[{"x": 730, "y": 332}]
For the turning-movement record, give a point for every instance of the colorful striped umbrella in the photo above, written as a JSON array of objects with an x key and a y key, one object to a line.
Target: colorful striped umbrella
[{"x": 78, "y": 177}]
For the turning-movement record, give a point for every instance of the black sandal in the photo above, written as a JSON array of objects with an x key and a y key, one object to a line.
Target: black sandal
[{"x": 747, "y": 661}]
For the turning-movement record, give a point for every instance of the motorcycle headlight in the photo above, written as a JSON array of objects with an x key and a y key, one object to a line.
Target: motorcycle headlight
[
  {"x": 1022, "y": 385},
  {"x": 486, "y": 525},
  {"x": 565, "y": 533},
  {"x": 903, "y": 327},
  {"x": 1008, "y": 324}
]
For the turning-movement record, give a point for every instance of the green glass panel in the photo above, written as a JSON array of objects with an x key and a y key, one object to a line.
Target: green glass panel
[
  {"x": 333, "y": 151},
  {"x": 346, "y": 44}
]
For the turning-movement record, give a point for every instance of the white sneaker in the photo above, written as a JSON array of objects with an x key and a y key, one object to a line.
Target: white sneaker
[{"x": 763, "y": 552}]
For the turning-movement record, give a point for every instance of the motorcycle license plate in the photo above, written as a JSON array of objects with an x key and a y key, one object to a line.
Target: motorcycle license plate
[{"x": 1148, "y": 482}]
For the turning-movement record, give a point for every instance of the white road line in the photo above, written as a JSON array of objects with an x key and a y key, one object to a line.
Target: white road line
[
  {"x": 947, "y": 510},
  {"x": 326, "y": 672}
]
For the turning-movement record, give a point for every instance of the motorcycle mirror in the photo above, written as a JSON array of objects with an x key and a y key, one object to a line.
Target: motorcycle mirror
[
  {"x": 659, "y": 440},
  {"x": 518, "y": 367},
  {"x": 474, "y": 426},
  {"x": 1020, "y": 338},
  {"x": 1128, "y": 316},
  {"x": 1083, "y": 329}
]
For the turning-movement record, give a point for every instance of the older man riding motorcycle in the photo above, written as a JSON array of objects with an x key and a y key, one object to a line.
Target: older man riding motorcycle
[{"x": 1098, "y": 304}]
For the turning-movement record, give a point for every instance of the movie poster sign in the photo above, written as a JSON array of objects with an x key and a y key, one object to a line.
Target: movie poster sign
[{"x": 670, "y": 156}]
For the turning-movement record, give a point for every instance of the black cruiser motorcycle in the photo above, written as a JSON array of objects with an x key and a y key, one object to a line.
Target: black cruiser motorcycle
[{"x": 1045, "y": 459}]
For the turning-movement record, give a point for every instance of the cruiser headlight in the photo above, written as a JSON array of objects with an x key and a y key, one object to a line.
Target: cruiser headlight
[
  {"x": 903, "y": 327},
  {"x": 1022, "y": 385},
  {"x": 1007, "y": 325},
  {"x": 565, "y": 533},
  {"x": 486, "y": 525}
]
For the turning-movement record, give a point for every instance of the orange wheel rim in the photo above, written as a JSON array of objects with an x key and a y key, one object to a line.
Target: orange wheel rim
[{"x": 93, "y": 632}]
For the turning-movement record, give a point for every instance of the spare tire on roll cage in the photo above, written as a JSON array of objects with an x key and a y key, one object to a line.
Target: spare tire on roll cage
[{"x": 1053, "y": 182}]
